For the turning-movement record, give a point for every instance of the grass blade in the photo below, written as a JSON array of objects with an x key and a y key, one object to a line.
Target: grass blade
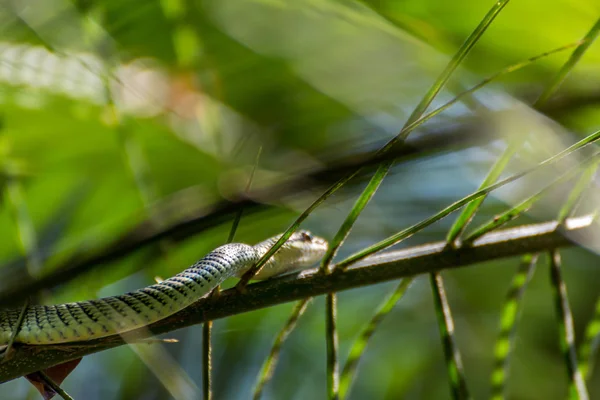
[
  {"x": 512, "y": 68},
  {"x": 383, "y": 169},
  {"x": 467, "y": 215},
  {"x": 381, "y": 172},
  {"x": 387, "y": 147},
  {"x": 358, "y": 207},
  {"x": 588, "y": 39},
  {"x": 268, "y": 367},
  {"x": 508, "y": 324},
  {"x": 458, "y": 57},
  {"x": 527, "y": 203},
  {"x": 577, "y": 389},
  {"x": 456, "y": 205},
  {"x": 333, "y": 367},
  {"x": 458, "y": 385},
  {"x": 360, "y": 344},
  {"x": 589, "y": 347},
  {"x": 576, "y": 193},
  {"x": 412, "y": 123}
]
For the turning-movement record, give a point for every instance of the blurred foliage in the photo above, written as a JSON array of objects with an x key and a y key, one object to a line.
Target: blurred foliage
[{"x": 113, "y": 109}]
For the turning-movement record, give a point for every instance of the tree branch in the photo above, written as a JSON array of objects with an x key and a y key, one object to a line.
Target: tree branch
[{"x": 378, "y": 268}]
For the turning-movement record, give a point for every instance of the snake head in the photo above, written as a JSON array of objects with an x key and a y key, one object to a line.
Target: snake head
[
  {"x": 300, "y": 251},
  {"x": 311, "y": 248}
]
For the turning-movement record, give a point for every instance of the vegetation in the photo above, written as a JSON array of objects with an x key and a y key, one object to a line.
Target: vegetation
[{"x": 137, "y": 136}]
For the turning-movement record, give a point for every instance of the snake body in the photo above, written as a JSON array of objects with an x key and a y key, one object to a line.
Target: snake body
[{"x": 92, "y": 319}]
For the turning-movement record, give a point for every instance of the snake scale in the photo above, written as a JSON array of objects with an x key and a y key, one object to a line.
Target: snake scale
[{"x": 92, "y": 319}]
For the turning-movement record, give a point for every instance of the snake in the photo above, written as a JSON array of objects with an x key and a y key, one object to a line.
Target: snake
[{"x": 93, "y": 319}]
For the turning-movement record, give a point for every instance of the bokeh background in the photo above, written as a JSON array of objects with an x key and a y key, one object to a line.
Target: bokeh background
[{"x": 121, "y": 118}]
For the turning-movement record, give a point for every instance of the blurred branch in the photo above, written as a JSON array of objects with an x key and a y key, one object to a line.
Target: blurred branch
[
  {"x": 145, "y": 234},
  {"x": 379, "y": 268}
]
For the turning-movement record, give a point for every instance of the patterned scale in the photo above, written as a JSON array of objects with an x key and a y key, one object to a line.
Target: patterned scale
[{"x": 94, "y": 319}]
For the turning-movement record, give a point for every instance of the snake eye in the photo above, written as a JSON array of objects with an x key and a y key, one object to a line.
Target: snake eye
[{"x": 306, "y": 236}]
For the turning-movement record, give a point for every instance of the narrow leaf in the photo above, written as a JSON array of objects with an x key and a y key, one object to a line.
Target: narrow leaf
[
  {"x": 589, "y": 38},
  {"x": 333, "y": 367},
  {"x": 527, "y": 203},
  {"x": 387, "y": 147},
  {"x": 457, "y": 58},
  {"x": 458, "y": 385},
  {"x": 383, "y": 169},
  {"x": 508, "y": 325},
  {"x": 390, "y": 241},
  {"x": 576, "y": 193},
  {"x": 589, "y": 348},
  {"x": 469, "y": 211},
  {"x": 467, "y": 215},
  {"x": 358, "y": 207},
  {"x": 577, "y": 389},
  {"x": 268, "y": 367},
  {"x": 360, "y": 344}
]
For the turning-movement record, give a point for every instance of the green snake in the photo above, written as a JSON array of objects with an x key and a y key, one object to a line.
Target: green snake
[{"x": 93, "y": 319}]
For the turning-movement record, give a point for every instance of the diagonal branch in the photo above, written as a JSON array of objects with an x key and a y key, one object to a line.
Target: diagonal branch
[{"x": 378, "y": 268}]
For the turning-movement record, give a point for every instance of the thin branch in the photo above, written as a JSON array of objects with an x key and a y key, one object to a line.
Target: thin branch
[{"x": 378, "y": 268}]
